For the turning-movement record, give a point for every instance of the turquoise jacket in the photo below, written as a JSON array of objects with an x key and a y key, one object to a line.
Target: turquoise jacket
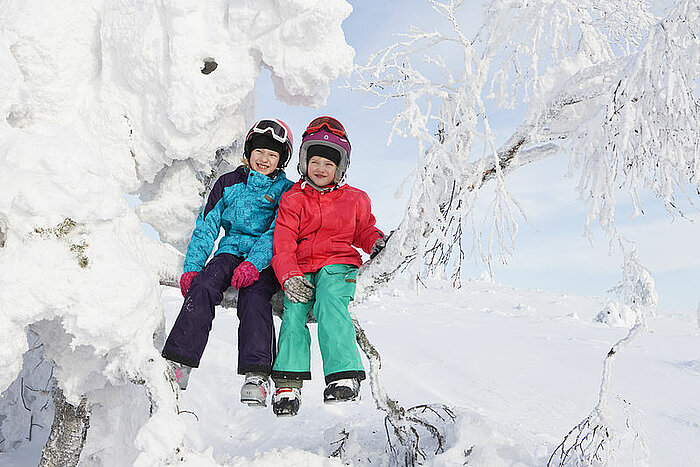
[{"x": 244, "y": 203}]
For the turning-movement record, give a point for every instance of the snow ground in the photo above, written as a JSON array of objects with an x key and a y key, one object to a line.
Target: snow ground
[{"x": 519, "y": 368}]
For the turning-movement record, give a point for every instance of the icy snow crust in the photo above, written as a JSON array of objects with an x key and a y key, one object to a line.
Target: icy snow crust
[{"x": 103, "y": 98}]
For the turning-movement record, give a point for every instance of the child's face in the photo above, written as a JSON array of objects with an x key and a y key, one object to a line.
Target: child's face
[
  {"x": 264, "y": 161},
  {"x": 321, "y": 171}
]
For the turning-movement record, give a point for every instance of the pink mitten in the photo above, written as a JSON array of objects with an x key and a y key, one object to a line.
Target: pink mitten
[
  {"x": 244, "y": 275},
  {"x": 186, "y": 281}
]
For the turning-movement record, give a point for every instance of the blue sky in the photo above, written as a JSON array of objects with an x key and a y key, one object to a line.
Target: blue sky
[{"x": 555, "y": 256}]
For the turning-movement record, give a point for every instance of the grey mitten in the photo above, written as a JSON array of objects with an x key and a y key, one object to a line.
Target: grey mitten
[
  {"x": 377, "y": 247},
  {"x": 298, "y": 289}
]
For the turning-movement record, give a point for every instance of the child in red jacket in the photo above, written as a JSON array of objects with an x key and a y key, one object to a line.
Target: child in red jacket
[{"x": 319, "y": 222}]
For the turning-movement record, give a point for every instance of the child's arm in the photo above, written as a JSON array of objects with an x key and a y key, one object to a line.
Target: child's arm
[
  {"x": 284, "y": 245},
  {"x": 366, "y": 232},
  {"x": 206, "y": 230}
]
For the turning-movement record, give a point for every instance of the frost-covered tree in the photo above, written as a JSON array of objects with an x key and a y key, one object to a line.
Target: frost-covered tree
[
  {"x": 606, "y": 83},
  {"x": 99, "y": 99}
]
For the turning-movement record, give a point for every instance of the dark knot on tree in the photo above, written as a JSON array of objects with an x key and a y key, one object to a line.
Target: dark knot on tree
[{"x": 209, "y": 66}]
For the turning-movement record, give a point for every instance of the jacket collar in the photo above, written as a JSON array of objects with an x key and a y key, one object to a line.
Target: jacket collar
[
  {"x": 255, "y": 179},
  {"x": 326, "y": 189}
]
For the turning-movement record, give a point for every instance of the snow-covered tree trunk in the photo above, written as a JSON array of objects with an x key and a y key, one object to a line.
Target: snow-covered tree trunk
[
  {"x": 68, "y": 432},
  {"x": 101, "y": 99},
  {"x": 589, "y": 442}
]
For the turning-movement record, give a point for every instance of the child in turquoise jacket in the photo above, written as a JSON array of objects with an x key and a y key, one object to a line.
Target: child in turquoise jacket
[{"x": 244, "y": 203}]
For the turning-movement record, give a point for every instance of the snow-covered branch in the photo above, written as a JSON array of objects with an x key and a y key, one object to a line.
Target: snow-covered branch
[
  {"x": 593, "y": 79},
  {"x": 588, "y": 443},
  {"x": 604, "y": 81},
  {"x": 646, "y": 135},
  {"x": 448, "y": 115}
]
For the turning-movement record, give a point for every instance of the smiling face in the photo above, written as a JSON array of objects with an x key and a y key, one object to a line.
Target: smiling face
[
  {"x": 264, "y": 161},
  {"x": 321, "y": 171}
]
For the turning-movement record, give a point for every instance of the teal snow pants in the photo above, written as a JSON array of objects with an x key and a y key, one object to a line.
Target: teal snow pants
[{"x": 334, "y": 290}]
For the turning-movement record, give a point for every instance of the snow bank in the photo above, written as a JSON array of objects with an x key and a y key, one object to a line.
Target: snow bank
[{"x": 103, "y": 98}]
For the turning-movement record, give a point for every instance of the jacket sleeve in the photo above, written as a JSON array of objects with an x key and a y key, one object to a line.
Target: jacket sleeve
[
  {"x": 206, "y": 230},
  {"x": 366, "y": 233},
  {"x": 284, "y": 245}
]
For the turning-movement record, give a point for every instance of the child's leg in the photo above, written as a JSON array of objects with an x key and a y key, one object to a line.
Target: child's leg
[
  {"x": 293, "y": 361},
  {"x": 335, "y": 288},
  {"x": 255, "y": 330},
  {"x": 190, "y": 333}
]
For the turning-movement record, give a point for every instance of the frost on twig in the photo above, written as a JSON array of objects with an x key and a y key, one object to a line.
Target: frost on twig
[
  {"x": 585, "y": 444},
  {"x": 602, "y": 80},
  {"x": 589, "y": 442},
  {"x": 646, "y": 133},
  {"x": 404, "y": 427},
  {"x": 444, "y": 109}
]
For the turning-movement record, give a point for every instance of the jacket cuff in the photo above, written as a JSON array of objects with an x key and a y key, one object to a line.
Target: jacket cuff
[
  {"x": 290, "y": 274},
  {"x": 257, "y": 264},
  {"x": 371, "y": 245}
]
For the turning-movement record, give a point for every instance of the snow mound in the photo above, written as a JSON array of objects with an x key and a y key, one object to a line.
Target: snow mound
[{"x": 616, "y": 314}]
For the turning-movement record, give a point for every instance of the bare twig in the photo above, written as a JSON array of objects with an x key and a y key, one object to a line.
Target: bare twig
[
  {"x": 189, "y": 412},
  {"x": 340, "y": 450},
  {"x": 403, "y": 438}
]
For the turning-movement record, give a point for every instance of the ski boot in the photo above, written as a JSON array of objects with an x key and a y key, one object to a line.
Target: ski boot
[
  {"x": 342, "y": 390},
  {"x": 181, "y": 373},
  {"x": 255, "y": 389},
  {"x": 286, "y": 402}
]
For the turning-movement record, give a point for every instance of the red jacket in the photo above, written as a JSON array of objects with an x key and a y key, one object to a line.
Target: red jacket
[{"x": 315, "y": 229}]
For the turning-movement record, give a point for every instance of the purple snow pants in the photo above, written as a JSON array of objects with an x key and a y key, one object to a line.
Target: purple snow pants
[{"x": 256, "y": 342}]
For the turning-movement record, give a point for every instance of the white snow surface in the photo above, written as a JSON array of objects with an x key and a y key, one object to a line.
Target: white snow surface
[{"x": 519, "y": 368}]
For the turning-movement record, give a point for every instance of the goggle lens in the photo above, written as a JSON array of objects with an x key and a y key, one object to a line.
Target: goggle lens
[
  {"x": 331, "y": 124},
  {"x": 278, "y": 132}
]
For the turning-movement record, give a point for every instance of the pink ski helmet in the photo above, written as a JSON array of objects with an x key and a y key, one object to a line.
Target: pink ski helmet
[{"x": 318, "y": 140}]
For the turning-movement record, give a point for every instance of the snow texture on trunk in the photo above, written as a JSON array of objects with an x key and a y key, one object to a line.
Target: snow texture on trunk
[{"x": 101, "y": 99}]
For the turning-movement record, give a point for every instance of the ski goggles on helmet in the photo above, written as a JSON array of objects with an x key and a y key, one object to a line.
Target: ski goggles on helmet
[
  {"x": 331, "y": 124},
  {"x": 276, "y": 129}
]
